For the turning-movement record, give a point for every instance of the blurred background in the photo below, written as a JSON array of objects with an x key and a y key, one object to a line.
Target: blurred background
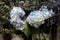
[{"x": 7, "y": 5}]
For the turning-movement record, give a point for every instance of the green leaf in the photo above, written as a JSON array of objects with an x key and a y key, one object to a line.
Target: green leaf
[{"x": 26, "y": 30}]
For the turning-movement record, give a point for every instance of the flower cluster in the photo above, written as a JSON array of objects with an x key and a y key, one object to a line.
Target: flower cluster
[
  {"x": 16, "y": 14},
  {"x": 36, "y": 18}
]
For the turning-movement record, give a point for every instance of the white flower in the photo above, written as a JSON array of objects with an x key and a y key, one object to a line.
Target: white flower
[
  {"x": 15, "y": 15},
  {"x": 35, "y": 18}
]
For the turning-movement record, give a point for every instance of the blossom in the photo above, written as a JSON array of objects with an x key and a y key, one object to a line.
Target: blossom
[
  {"x": 16, "y": 14},
  {"x": 36, "y": 18}
]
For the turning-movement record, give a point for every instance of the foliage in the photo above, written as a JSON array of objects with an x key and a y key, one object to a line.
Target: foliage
[
  {"x": 27, "y": 30},
  {"x": 5, "y": 7},
  {"x": 27, "y": 12}
]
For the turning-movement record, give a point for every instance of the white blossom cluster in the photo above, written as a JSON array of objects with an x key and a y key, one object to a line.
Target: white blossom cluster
[
  {"x": 16, "y": 14},
  {"x": 36, "y": 18}
]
